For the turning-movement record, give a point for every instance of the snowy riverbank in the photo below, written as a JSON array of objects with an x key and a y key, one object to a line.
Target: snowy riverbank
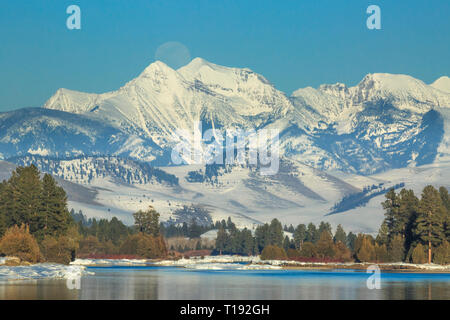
[
  {"x": 41, "y": 271},
  {"x": 228, "y": 262}
]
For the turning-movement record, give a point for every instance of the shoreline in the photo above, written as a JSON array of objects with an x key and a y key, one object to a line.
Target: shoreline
[{"x": 255, "y": 263}]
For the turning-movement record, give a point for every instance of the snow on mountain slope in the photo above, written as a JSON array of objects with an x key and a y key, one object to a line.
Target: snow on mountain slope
[
  {"x": 443, "y": 84},
  {"x": 54, "y": 133},
  {"x": 251, "y": 93},
  {"x": 385, "y": 121},
  {"x": 161, "y": 100},
  {"x": 339, "y": 103},
  {"x": 443, "y": 151}
]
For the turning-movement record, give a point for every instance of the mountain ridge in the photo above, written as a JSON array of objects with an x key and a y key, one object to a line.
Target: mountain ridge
[{"x": 377, "y": 122}]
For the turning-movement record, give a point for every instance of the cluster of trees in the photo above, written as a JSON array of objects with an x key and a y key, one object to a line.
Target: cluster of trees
[
  {"x": 414, "y": 230},
  {"x": 34, "y": 211},
  {"x": 36, "y": 226},
  {"x": 417, "y": 230},
  {"x": 112, "y": 237},
  {"x": 270, "y": 241},
  {"x": 185, "y": 230}
]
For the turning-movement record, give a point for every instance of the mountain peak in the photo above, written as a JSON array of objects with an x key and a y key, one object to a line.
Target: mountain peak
[
  {"x": 443, "y": 84},
  {"x": 157, "y": 66}
]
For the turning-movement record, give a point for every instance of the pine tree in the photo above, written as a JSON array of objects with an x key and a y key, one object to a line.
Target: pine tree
[
  {"x": 325, "y": 226},
  {"x": 429, "y": 226},
  {"x": 262, "y": 236},
  {"x": 222, "y": 240},
  {"x": 286, "y": 243},
  {"x": 53, "y": 218},
  {"x": 445, "y": 197},
  {"x": 299, "y": 236},
  {"x": 446, "y": 202},
  {"x": 276, "y": 233},
  {"x": 21, "y": 198},
  {"x": 312, "y": 234},
  {"x": 147, "y": 221},
  {"x": 340, "y": 235},
  {"x": 407, "y": 215},
  {"x": 351, "y": 238},
  {"x": 247, "y": 242},
  {"x": 383, "y": 236},
  {"x": 392, "y": 212},
  {"x": 396, "y": 248}
]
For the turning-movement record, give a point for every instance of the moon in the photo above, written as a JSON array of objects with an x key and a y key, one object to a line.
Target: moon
[{"x": 174, "y": 54}]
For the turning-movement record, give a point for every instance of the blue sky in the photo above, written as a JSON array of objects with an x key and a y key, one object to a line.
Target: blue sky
[{"x": 292, "y": 43}]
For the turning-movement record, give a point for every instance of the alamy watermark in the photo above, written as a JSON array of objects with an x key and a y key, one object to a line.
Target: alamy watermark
[
  {"x": 73, "y": 282},
  {"x": 259, "y": 148},
  {"x": 374, "y": 20},
  {"x": 74, "y": 20},
  {"x": 374, "y": 281}
]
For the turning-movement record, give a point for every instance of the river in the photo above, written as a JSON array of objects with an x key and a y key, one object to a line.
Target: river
[{"x": 150, "y": 282}]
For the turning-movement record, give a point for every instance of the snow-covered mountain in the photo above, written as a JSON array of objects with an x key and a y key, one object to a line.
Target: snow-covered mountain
[
  {"x": 161, "y": 100},
  {"x": 386, "y": 121}
]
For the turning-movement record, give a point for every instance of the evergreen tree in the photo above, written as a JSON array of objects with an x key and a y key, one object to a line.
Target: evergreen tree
[
  {"x": 340, "y": 235},
  {"x": 383, "y": 234},
  {"x": 446, "y": 202},
  {"x": 429, "y": 226},
  {"x": 262, "y": 236},
  {"x": 408, "y": 213},
  {"x": 147, "y": 221},
  {"x": 53, "y": 218},
  {"x": 396, "y": 249},
  {"x": 276, "y": 233},
  {"x": 312, "y": 234},
  {"x": 195, "y": 230},
  {"x": 325, "y": 226},
  {"x": 351, "y": 238},
  {"x": 222, "y": 240},
  {"x": 392, "y": 208},
  {"x": 286, "y": 243},
  {"x": 247, "y": 242},
  {"x": 299, "y": 236},
  {"x": 445, "y": 197},
  {"x": 21, "y": 199}
]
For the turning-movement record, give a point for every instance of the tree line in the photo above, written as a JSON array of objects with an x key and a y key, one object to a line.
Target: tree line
[{"x": 414, "y": 230}]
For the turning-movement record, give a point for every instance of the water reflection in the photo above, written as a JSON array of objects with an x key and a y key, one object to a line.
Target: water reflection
[{"x": 173, "y": 283}]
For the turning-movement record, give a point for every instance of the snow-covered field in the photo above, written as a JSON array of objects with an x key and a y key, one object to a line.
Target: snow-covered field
[{"x": 251, "y": 200}]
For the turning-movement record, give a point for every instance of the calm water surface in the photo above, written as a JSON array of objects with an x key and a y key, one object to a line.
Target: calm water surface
[{"x": 176, "y": 283}]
